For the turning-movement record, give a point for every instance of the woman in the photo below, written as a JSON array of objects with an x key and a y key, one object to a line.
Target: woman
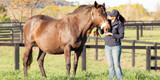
[{"x": 113, "y": 44}]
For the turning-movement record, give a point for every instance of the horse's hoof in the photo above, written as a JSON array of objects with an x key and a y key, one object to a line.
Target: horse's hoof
[
  {"x": 25, "y": 76},
  {"x": 44, "y": 76}
]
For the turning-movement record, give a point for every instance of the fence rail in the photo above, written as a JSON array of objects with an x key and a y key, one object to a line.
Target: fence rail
[
  {"x": 13, "y": 28},
  {"x": 155, "y": 47},
  {"x": 14, "y": 34},
  {"x": 11, "y": 34},
  {"x": 130, "y": 41},
  {"x": 83, "y": 55}
]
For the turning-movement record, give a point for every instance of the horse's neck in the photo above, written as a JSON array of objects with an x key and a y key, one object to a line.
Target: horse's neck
[{"x": 84, "y": 23}]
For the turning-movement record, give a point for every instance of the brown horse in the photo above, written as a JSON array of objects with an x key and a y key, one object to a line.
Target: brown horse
[{"x": 58, "y": 36}]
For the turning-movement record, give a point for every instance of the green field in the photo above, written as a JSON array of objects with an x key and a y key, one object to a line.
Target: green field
[{"x": 96, "y": 70}]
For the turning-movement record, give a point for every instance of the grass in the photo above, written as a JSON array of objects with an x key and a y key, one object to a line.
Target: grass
[
  {"x": 148, "y": 35},
  {"x": 96, "y": 70},
  {"x": 55, "y": 68},
  {"x": 129, "y": 74}
]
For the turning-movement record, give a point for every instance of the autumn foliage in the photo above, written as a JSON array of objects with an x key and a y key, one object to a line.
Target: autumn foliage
[{"x": 21, "y": 10}]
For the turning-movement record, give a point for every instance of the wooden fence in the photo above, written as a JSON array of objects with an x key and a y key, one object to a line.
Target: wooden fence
[
  {"x": 149, "y": 58},
  {"x": 83, "y": 55},
  {"x": 133, "y": 48},
  {"x": 140, "y": 25},
  {"x": 14, "y": 34},
  {"x": 11, "y": 33},
  {"x": 148, "y": 55}
]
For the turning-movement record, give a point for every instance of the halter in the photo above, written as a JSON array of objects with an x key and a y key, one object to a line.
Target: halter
[{"x": 92, "y": 15}]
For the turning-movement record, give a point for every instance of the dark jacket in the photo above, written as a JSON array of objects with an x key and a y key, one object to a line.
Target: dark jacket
[{"x": 117, "y": 29}]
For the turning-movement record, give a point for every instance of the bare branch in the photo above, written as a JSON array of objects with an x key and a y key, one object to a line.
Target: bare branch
[{"x": 35, "y": 4}]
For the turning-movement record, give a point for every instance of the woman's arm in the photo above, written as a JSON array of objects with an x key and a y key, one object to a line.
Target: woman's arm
[{"x": 121, "y": 32}]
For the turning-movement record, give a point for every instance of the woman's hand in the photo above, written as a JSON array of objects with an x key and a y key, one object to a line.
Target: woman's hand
[{"x": 109, "y": 34}]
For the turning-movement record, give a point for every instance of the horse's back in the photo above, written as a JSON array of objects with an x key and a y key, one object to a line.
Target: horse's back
[
  {"x": 44, "y": 31},
  {"x": 38, "y": 19},
  {"x": 42, "y": 17},
  {"x": 33, "y": 23}
]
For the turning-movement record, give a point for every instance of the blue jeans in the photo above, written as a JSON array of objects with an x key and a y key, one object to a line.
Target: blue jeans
[{"x": 113, "y": 54}]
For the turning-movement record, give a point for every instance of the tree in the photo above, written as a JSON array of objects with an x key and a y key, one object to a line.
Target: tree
[
  {"x": 156, "y": 14},
  {"x": 32, "y": 3},
  {"x": 3, "y": 14},
  {"x": 132, "y": 11},
  {"x": 57, "y": 11},
  {"x": 18, "y": 7}
]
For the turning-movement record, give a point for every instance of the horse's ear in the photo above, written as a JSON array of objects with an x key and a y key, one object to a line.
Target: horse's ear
[
  {"x": 96, "y": 4},
  {"x": 103, "y": 5}
]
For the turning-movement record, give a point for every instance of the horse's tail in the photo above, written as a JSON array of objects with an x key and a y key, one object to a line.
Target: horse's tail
[{"x": 30, "y": 59}]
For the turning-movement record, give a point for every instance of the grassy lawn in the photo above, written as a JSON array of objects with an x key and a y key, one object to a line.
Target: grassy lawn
[
  {"x": 55, "y": 69},
  {"x": 96, "y": 70}
]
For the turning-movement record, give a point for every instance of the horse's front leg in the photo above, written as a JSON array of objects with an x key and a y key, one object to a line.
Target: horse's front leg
[
  {"x": 67, "y": 53},
  {"x": 76, "y": 58}
]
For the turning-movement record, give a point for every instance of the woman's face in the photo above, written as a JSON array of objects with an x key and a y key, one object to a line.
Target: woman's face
[{"x": 111, "y": 17}]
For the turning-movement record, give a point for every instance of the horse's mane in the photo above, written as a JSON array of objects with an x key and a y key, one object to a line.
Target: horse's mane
[{"x": 82, "y": 7}]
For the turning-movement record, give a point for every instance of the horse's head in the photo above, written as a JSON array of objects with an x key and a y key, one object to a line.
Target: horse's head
[{"x": 99, "y": 16}]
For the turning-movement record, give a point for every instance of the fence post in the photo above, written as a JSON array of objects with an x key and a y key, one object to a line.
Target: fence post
[
  {"x": 21, "y": 34},
  {"x": 141, "y": 31},
  {"x": 137, "y": 32},
  {"x": 155, "y": 55},
  {"x": 16, "y": 58},
  {"x": 83, "y": 56},
  {"x": 152, "y": 26},
  {"x": 148, "y": 58},
  {"x": 12, "y": 36},
  {"x": 133, "y": 53},
  {"x": 88, "y": 39},
  {"x": 96, "y": 48}
]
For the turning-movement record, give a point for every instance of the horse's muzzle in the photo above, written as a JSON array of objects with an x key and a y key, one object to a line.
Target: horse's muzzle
[{"x": 104, "y": 24}]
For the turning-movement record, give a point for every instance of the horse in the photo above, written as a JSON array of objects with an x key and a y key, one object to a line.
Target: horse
[{"x": 61, "y": 36}]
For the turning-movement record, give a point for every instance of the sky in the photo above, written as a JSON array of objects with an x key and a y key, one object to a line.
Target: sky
[{"x": 150, "y": 5}]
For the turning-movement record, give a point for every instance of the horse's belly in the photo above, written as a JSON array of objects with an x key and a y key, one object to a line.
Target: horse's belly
[
  {"x": 55, "y": 51},
  {"x": 50, "y": 46}
]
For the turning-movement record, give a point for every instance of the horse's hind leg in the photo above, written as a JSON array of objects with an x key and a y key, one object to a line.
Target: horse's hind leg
[
  {"x": 40, "y": 60},
  {"x": 27, "y": 57}
]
